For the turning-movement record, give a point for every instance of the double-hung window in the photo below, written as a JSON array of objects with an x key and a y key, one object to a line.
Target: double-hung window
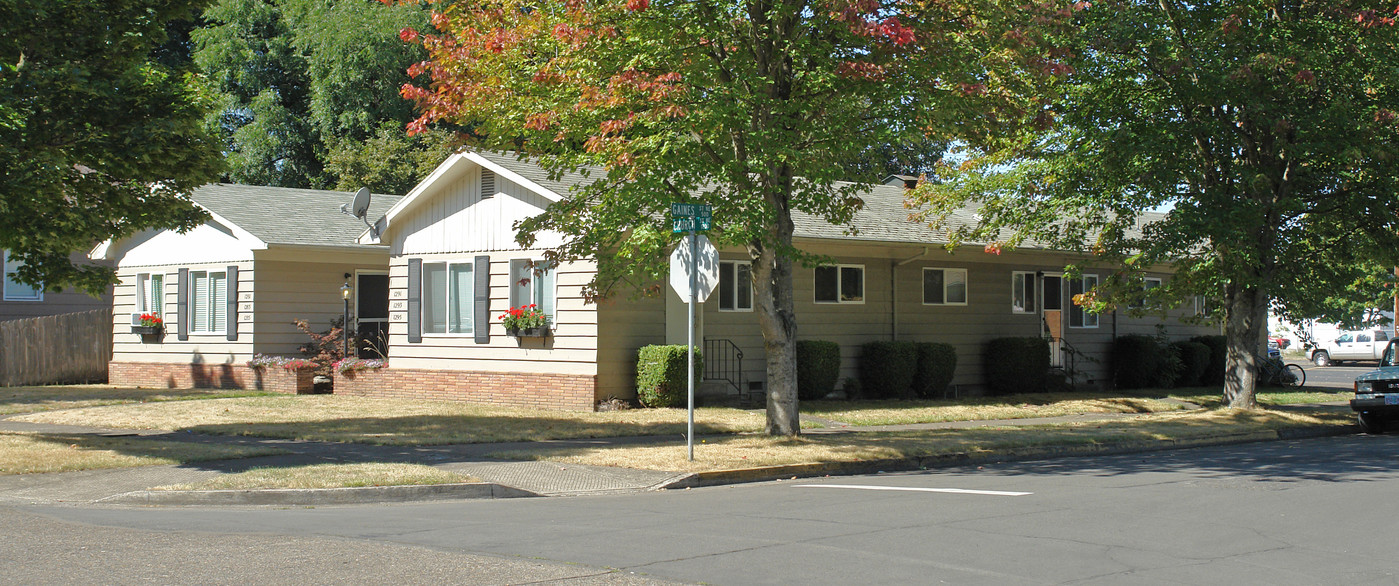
[
  {"x": 840, "y": 284},
  {"x": 735, "y": 286},
  {"x": 15, "y": 290},
  {"x": 448, "y": 297},
  {"x": 1022, "y": 292},
  {"x": 209, "y": 301},
  {"x": 1078, "y": 318},
  {"x": 1148, "y": 284},
  {"x": 532, "y": 283},
  {"x": 944, "y": 286},
  {"x": 150, "y": 293}
]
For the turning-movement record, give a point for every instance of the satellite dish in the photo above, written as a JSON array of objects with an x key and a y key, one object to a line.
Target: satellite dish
[{"x": 359, "y": 208}]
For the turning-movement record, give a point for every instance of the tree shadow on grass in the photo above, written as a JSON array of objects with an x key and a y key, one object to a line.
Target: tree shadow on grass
[{"x": 15, "y": 400}]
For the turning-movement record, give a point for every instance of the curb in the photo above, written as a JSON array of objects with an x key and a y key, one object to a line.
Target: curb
[
  {"x": 770, "y": 473},
  {"x": 318, "y": 496}
]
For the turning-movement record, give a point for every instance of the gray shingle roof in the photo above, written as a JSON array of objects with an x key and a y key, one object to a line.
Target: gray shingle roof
[
  {"x": 883, "y": 219},
  {"x": 281, "y": 215}
]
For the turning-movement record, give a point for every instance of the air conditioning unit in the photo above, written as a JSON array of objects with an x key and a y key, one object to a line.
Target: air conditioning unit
[{"x": 136, "y": 319}]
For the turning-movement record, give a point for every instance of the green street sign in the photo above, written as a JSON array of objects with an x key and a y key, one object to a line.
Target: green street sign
[
  {"x": 691, "y": 210},
  {"x": 684, "y": 224}
]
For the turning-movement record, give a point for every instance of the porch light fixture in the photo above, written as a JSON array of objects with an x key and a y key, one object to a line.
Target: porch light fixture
[{"x": 345, "y": 325}]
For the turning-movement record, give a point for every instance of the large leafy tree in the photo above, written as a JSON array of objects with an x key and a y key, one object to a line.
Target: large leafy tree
[
  {"x": 101, "y": 132},
  {"x": 1267, "y": 128},
  {"x": 309, "y": 93},
  {"x": 752, "y": 106}
]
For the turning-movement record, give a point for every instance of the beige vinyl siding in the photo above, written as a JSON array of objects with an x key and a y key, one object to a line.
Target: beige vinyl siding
[
  {"x": 987, "y": 314},
  {"x": 572, "y": 349},
  {"x": 201, "y": 348},
  {"x": 287, "y": 291},
  {"x": 627, "y": 324}
]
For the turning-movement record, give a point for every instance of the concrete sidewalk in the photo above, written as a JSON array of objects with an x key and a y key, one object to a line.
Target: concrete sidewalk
[{"x": 128, "y": 486}]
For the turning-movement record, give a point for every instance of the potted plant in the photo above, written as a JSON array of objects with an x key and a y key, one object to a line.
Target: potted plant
[
  {"x": 150, "y": 323},
  {"x": 525, "y": 321}
]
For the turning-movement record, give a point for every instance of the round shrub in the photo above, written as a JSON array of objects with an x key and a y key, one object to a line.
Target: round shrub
[
  {"x": 1214, "y": 374},
  {"x": 1136, "y": 361},
  {"x": 660, "y": 375},
  {"x": 1194, "y": 361},
  {"x": 936, "y": 364},
  {"x": 1016, "y": 365},
  {"x": 887, "y": 369},
  {"x": 818, "y": 368}
]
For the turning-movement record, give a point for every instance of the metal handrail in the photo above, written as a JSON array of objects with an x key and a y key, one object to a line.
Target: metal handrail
[{"x": 723, "y": 360}]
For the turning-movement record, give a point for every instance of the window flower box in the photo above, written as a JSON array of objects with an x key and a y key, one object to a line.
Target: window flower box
[
  {"x": 147, "y": 330},
  {"x": 147, "y": 324},
  {"x": 535, "y": 332}
]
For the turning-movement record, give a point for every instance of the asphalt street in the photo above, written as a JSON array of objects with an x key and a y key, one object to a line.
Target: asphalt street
[
  {"x": 1340, "y": 377},
  {"x": 1310, "y": 511}
]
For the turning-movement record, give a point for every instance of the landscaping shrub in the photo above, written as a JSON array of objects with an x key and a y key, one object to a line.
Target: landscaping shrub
[
  {"x": 1016, "y": 365},
  {"x": 1194, "y": 361},
  {"x": 660, "y": 375},
  {"x": 936, "y": 364},
  {"x": 818, "y": 368},
  {"x": 1135, "y": 361},
  {"x": 887, "y": 369},
  {"x": 1214, "y": 374}
]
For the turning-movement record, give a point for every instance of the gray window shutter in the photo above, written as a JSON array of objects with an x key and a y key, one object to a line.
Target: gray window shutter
[
  {"x": 415, "y": 300},
  {"x": 481, "y": 308},
  {"x": 182, "y": 305},
  {"x": 231, "y": 315}
]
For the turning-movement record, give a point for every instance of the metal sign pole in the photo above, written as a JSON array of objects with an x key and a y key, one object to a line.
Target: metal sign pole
[{"x": 694, "y": 292}]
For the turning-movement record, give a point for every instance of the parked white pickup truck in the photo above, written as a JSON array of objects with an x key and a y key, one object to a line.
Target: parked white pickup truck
[{"x": 1359, "y": 345}]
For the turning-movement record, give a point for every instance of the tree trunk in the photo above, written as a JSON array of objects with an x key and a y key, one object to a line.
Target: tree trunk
[
  {"x": 776, "y": 309},
  {"x": 1245, "y": 327}
]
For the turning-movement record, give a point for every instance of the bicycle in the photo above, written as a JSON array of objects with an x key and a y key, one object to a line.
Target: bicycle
[{"x": 1274, "y": 372}]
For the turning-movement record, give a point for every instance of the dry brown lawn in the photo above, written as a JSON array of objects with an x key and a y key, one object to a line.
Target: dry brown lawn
[
  {"x": 981, "y": 409},
  {"x": 30, "y": 453},
  {"x": 47, "y": 398},
  {"x": 328, "y": 476},
  {"x": 394, "y": 421},
  {"x": 756, "y": 451}
]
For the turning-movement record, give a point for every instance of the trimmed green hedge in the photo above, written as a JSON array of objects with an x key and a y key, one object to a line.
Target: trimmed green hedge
[
  {"x": 660, "y": 375},
  {"x": 936, "y": 364},
  {"x": 1194, "y": 361},
  {"x": 887, "y": 369},
  {"x": 818, "y": 368},
  {"x": 1214, "y": 374},
  {"x": 1141, "y": 362},
  {"x": 1016, "y": 365}
]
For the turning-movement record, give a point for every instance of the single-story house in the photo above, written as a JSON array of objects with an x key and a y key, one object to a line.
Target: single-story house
[
  {"x": 230, "y": 288},
  {"x": 454, "y": 268}
]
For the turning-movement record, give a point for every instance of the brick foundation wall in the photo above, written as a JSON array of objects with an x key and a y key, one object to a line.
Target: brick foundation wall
[
  {"x": 208, "y": 376},
  {"x": 547, "y": 391}
]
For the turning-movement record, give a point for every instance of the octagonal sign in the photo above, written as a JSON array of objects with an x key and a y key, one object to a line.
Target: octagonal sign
[{"x": 707, "y": 268}]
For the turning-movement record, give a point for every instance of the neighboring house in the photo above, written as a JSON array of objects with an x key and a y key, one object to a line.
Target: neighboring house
[
  {"x": 230, "y": 288},
  {"x": 454, "y": 268},
  {"x": 21, "y": 300}
]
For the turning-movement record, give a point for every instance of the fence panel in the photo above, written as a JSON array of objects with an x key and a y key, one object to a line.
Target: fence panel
[{"x": 68, "y": 348}]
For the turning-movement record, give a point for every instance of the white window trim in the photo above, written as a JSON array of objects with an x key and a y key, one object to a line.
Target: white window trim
[
  {"x": 1140, "y": 303},
  {"x": 422, "y": 309},
  {"x": 1083, "y": 285},
  {"x": 4, "y": 283},
  {"x": 749, "y": 264},
  {"x": 194, "y": 277},
  {"x": 1034, "y": 299},
  {"x": 145, "y": 301},
  {"x": 966, "y": 286},
  {"x": 524, "y": 262},
  {"x": 839, "y": 282}
]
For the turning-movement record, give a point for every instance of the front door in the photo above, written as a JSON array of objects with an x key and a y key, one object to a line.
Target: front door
[
  {"x": 372, "y": 313},
  {"x": 1052, "y": 302}
]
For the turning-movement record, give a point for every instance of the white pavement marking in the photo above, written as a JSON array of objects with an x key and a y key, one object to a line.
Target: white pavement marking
[{"x": 915, "y": 489}]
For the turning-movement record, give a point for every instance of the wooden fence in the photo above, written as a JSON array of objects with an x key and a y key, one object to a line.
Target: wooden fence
[{"x": 68, "y": 348}]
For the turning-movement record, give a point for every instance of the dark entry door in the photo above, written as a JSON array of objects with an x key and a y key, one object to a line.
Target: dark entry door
[{"x": 372, "y": 311}]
